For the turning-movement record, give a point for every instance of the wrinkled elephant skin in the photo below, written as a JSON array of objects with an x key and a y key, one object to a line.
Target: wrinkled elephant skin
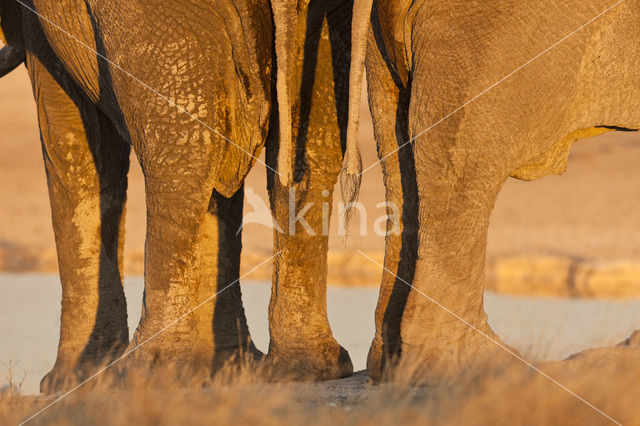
[
  {"x": 441, "y": 75},
  {"x": 192, "y": 89}
]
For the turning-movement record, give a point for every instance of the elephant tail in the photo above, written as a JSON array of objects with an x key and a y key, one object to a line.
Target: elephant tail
[
  {"x": 10, "y": 59},
  {"x": 285, "y": 20},
  {"x": 351, "y": 174},
  {"x": 350, "y": 187}
]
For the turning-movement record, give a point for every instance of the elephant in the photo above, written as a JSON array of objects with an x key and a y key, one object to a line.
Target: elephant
[
  {"x": 90, "y": 114},
  {"x": 464, "y": 95},
  {"x": 190, "y": 88}
]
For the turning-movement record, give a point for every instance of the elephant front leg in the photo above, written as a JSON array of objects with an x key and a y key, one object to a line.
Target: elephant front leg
[{"x": 86, "y": 165}]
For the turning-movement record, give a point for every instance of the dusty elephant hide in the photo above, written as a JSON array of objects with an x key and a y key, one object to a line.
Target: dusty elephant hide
[{"x": 464, "y": 95}]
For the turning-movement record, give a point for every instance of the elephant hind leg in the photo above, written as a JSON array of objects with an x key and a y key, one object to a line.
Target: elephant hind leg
[
  {"x": 459, "y": 173},
  {"x": 86, "y": 165},
  {"x": 389, "y": 101},
  {"x": 302, "y": 345},
  {"x": 192, "y": 314}
]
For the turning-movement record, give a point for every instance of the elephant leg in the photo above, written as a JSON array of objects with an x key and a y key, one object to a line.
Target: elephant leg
[
  {"x": 192, "y": 312},
  {"x": 86, "y": 164},
  {"x": 302, "y": 345},
  {"x": 389, "y": 101},
  {"x": 444, "y": 326},
  {"x": 224, "y": 316},
  {"x": 444, "y": 319},
  {"x": 169, "y": 328}
]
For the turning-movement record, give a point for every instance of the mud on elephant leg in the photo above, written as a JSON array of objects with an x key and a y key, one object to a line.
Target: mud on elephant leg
[
  {"x": 302, "y": 345},
  {"x": 192, "y": 254},
  {"x": 86, "y": 164}
]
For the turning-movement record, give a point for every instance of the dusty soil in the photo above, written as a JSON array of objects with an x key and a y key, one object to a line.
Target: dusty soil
[{"x": 577, "y": 234}]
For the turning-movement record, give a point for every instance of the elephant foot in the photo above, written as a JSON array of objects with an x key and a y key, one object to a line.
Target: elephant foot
[
  {"x": 156, "y": 346},
  {"x": 65, "y": 376},
  {"x": 184, "y": 355},
  {"x": 160, "y": 365},
  {"x": 60, "y": 379},
  {"x": 246, "y": 355},
  {"x": 381, "y": 359},
  {"x": 437, "y": 364},
  {"x": 324, "y": 361}
]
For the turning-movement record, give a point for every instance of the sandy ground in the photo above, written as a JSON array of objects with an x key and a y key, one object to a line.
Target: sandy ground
[
  {"x": 541, "y": 329},
  {"x": 559, "y": 224}
]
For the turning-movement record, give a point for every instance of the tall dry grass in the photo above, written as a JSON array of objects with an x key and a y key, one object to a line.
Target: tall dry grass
[{"x": 486, "y": 394}]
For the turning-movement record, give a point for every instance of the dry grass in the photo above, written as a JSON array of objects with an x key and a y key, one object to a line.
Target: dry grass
[{"x": 513, "y": 394}]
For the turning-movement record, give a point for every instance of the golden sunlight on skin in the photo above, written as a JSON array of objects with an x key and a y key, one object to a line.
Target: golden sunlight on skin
[
  {"x": 455, "y": 154},
  {"x": 559, "y": 216}
]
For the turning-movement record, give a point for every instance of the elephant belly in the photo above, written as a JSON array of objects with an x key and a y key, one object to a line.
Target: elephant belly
[
  {"x": 527, "y": 89},
  {"x": 607, "y": 89},
  {"x": 554, "y": 161}
]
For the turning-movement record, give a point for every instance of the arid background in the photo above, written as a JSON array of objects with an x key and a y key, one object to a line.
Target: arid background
[{"x": 575, "y": 234}]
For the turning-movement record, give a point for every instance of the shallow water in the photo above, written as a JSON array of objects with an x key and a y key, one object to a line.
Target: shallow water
[{"x": 541, "y": 329}]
